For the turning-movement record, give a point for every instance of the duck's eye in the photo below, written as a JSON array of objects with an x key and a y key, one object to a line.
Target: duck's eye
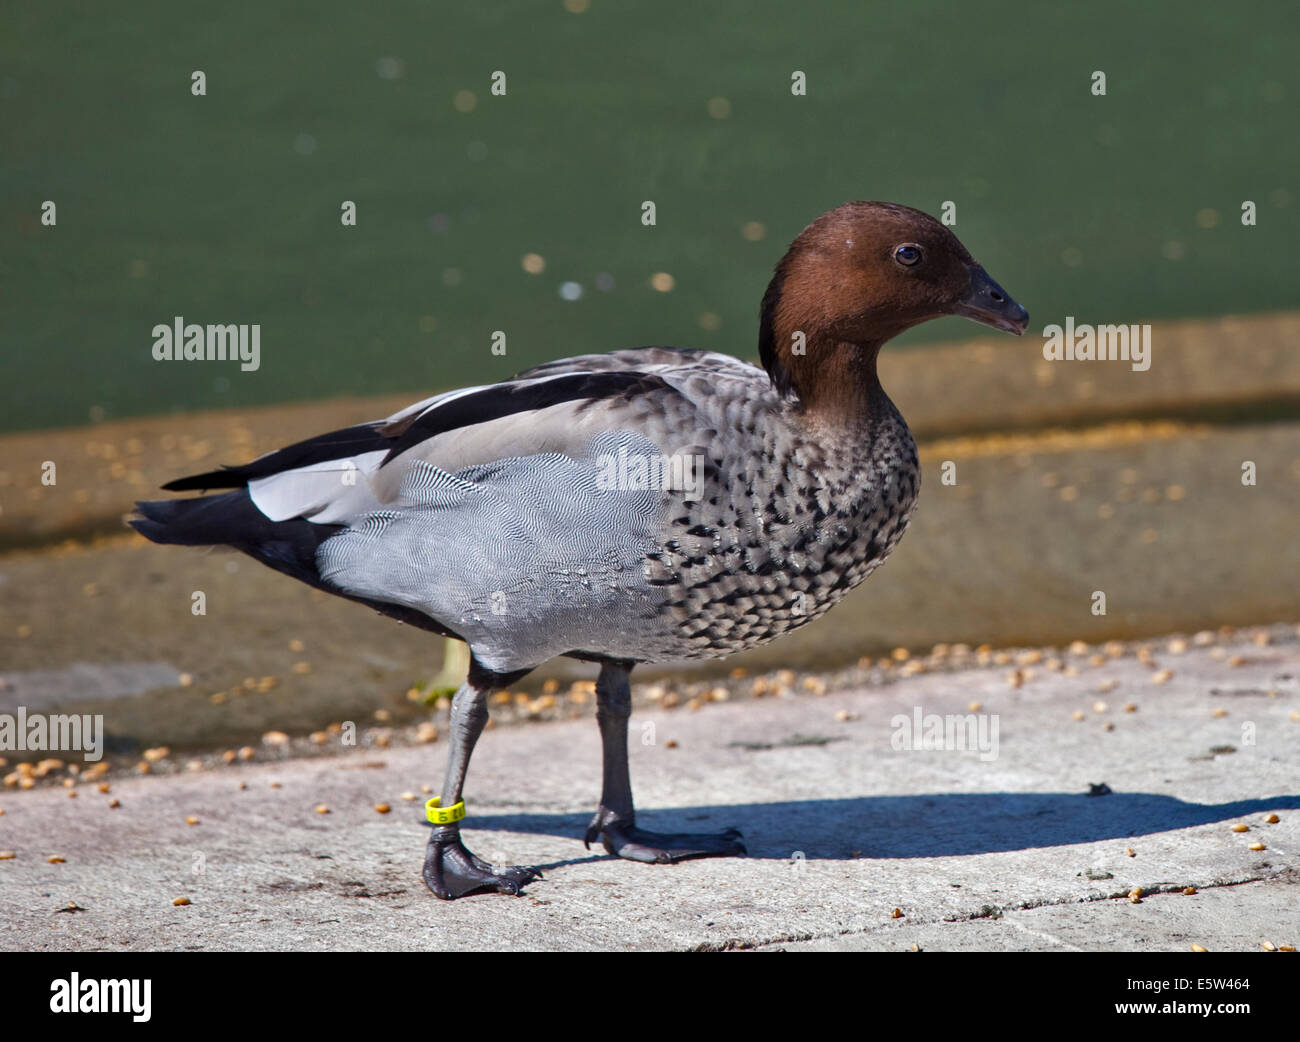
[{"x": 908, "y": 255}]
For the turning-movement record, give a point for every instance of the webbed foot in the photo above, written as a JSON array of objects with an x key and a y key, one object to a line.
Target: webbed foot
[
  {"x": 623, "y": 839},
  {"x": 451, "y": 871}
]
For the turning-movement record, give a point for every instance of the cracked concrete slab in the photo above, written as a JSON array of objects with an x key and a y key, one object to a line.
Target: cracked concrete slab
[
  {"x": 843, "y": 825},
  {"x": 1240, "y": 917}
]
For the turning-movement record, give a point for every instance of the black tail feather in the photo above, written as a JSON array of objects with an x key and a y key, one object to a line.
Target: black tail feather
[{"x": 232, "y": 519}]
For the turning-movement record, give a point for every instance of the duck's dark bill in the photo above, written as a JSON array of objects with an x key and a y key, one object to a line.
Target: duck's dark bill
[{"x": 990, "y": 305}]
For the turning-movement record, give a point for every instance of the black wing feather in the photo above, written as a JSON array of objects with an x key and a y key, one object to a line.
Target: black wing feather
[
  {"x": 499, "y": 400},
  {"x": 490, "y": 403},
  {"x": 340, "y": 444}
]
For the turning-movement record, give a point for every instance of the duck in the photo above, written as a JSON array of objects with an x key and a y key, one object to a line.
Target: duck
[{"x": 645, "y": 505}]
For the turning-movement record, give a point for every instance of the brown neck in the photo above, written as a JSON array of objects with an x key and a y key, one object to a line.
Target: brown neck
[
  {"x": 833, "y": 378},
  {"x": 835, "y": 381}
]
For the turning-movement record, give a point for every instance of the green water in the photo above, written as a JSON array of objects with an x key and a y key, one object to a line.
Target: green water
[{"x": 226, "y": 208}]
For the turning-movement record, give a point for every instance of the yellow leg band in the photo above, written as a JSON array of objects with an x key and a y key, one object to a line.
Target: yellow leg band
[{"x": 439, "y": 815}]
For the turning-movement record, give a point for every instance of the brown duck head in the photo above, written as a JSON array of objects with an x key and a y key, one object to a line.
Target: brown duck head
[{"x": 853, "y": 279}]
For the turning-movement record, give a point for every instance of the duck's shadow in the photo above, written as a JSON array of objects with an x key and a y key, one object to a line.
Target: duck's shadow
[{"x": 927, "y": 825}]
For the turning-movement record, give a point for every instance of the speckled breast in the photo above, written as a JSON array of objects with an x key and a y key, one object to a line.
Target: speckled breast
[{"x": 810, "y": 522}]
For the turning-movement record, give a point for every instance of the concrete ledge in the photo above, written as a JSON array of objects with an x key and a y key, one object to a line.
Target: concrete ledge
[{"x": 1233, "y": 368}]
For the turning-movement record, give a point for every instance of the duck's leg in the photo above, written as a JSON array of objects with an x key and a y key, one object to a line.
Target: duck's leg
[
  {"x": 615, "y": 821},
  {"x": 450, "y": 870}
]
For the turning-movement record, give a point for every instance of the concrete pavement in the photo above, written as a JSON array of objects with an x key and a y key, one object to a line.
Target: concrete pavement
[{"x": 976, "y": 851}]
